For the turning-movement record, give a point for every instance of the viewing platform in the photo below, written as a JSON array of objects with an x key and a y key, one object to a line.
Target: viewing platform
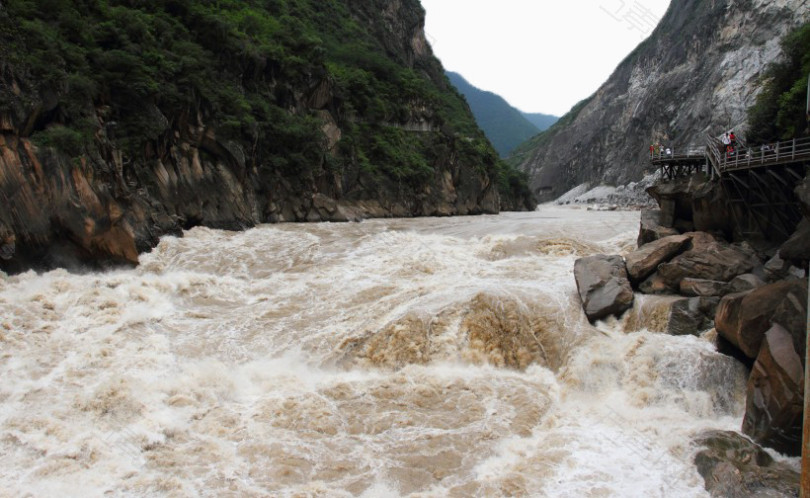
[{"x": 758, "y": 182}]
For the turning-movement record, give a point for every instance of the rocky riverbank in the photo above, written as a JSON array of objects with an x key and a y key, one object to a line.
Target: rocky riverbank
[{"x": 750, "y": 295}]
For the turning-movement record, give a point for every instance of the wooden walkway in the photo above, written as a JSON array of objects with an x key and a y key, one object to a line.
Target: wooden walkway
[{"x": 758, "y": 182}]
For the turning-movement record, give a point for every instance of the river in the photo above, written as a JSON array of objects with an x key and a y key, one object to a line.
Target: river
[{"x": 424, "y": 357}]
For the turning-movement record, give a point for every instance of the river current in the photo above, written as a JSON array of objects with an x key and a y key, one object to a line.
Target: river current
[{"x": 434, "y": 357}]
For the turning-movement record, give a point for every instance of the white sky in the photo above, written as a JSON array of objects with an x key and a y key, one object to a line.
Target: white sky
[{"x": 541, "y": 56}]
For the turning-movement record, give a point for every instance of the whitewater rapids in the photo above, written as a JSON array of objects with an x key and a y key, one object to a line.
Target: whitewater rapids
[{"x": 422, "y": 358}]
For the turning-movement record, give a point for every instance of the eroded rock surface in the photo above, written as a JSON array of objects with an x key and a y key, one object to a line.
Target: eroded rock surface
[
  {"x": 775, "y": 397},
  {"x": 603, "y": 286}
]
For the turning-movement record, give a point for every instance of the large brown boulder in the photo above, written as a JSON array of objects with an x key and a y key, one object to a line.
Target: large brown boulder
[
  {"x": 734, "y": 467},
  {"x": 775, "y": 397},
  {"x": 603, "y": 286},
  {"x": 714, "y": 261},
  {"x": 743, "y": 318},
  {"x": 642, "y": 262}
]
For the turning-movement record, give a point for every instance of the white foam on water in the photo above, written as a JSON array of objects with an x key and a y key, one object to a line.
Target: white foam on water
[{"x": 427, "y": 357}]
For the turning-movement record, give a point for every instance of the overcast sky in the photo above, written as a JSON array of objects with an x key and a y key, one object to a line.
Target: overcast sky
[{"x": 540, "y": 55}]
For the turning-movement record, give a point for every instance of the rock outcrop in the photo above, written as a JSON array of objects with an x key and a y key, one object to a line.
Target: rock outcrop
[
  {"x": 697, "y": 73},
  {"x": 603, "y": 286},
  {"x": 693, "y": 203}
]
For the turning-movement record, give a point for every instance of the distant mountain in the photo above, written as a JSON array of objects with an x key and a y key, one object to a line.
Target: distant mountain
[
  {"x": 505, "y": 126},
  {"x": 541, "y": 121}
]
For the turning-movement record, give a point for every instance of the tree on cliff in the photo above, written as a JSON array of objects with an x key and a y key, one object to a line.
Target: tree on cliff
[{"x": 779, "y": 111}]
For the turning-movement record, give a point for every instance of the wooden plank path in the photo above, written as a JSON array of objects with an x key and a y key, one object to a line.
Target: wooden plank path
[{"x": 758, "y": 182}]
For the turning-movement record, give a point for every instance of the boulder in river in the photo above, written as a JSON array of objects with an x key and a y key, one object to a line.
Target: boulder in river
[
  {"x": 642, "y": 262},
  {"x": 743, "y": 318},
  {"x": 603, "y": 286},
  {"x": 690, "y": 316},
  {"x": 775, "y": 397},
  {"x": 714, "y": 261},
  {"x": 733, "y": 466}
]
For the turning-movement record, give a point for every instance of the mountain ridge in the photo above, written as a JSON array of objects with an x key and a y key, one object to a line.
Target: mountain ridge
[{"x": 505, "y": 126}]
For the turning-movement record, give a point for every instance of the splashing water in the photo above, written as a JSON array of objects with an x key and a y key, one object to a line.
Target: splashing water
[{"x": 425, "y": 357}]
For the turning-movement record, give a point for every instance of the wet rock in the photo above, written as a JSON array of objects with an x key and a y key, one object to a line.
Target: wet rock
[
  {"x": 776, "y": 268},
  {"x": 603, "y": 286},
  {"x": 744, "y": 283},
  {"x": 7, "y": 243},
  {"x": 701, "y": 241},
  {"x": 701, "y": 287},
  {"x": 651, "y": 228},
  {"x": 642, "y": 262},
  {"x": 716, "y": 261},
  {"x": 671, "y": 315},
  {"x": 775, "y": 397},
  {"x": 797, "y": 248},
  {"x": 743, "y": 318},
  {"x": 734, "y": 467},
  {"x": 655, "y": 284},
  {"x": 687, "y": 317}
]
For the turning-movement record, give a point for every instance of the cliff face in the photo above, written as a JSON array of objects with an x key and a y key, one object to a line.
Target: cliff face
[
  {"x": 696, "y": 74},
  {"x": 102, "y": 157}
]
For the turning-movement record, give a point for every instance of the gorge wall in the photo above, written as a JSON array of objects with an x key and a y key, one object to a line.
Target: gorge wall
[
  {"x": 695, "y": 75},
  {"x": 120, "y": 124}
]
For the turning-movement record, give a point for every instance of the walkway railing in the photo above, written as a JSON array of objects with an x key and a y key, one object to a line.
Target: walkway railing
[
  {"x": 787, "y": 152},
  {"x": 689, "y": 153},
  {"x": 720, "y": 160}
]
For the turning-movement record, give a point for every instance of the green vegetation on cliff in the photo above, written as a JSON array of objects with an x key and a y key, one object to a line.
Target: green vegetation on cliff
[
  {"x": 504, "y": 125},
  {"x": 779, "y": 112},
  {"x": 132, "y": 74}
]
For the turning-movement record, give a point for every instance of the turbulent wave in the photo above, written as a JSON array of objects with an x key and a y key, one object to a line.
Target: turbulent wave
[{"x": 428, "y": 357}]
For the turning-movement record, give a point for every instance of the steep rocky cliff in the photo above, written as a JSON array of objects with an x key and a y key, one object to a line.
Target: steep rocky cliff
[
  {"x": 696, "y": 74},
  {"x": 122, "y": 122}
]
